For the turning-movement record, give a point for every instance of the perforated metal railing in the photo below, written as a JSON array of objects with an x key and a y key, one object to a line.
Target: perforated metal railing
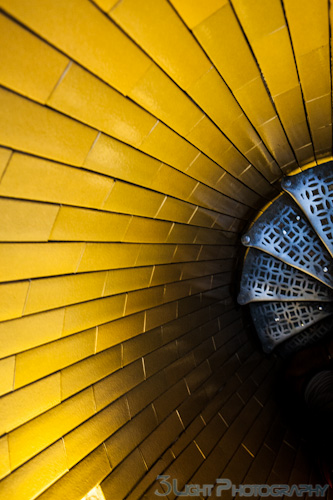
[{"x": 287, "y": 277}]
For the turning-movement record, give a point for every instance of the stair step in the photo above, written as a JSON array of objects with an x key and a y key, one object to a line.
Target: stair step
[
  {"x": 277, "y": 321},
  {"x": 284, "y": 232},
  {"x": 266, "y": 278},
  {"x": 313, "y": 192}
]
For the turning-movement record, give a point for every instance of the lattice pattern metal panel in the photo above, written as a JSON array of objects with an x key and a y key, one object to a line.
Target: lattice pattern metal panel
[
  {"x": 313, "y": 191},
  {"x": 277, "y": 321},
  {"x": 266, "y": 278},
  {"x": 284, "y": 232},
  {"x": 307, "y": 337}
]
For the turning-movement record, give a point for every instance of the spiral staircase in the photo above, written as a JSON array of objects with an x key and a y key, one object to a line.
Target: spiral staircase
[{"x": 287, "y": 277}]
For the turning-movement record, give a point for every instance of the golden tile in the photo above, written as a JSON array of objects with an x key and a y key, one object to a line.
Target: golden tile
[
  {"x": 165, "y": 145},
  {"x": 23, "y": 405},
  {"x": 97, "y": 429},
  {"x": 7, "y": 371},
  {"x": 175, "y": 210},
  {"x": 36, "y": 435},
  {"x": 155, "y": 254},
  {"x": 144, "y": 299},
  {"x": 82, "y": 478},
  {"x": 134, "y": 200},
  {"x": 4, "y": 457},
  {"x": 181, "y": 233},
  {"x": 104, "y": 50},
  {"x": 166, "y": 273},
  {"x": 24, "y": 53},
  {"x": 37, "y": 475},
  {"x": 159, "y": 95},
  {"x": 255, "y": 101},
  {"x": 194, "y": 12},
  {"x": 160, "y": 358},
  {"x": 156, "y": 27},
  {"x": 12, "y": 299},
  {"x": 26, "y": 221},
  {"x": 170, "y": 181},
  {"x": 162, "y": 314},
  {"x": 119, "y": 383},
  {"x": 204, "y": 170},
  {"x": 314, "y": 73},
  {"x": 79, "y": 92},
  {"x": 259, "y": 18},
  {"x": 56, "y": 183},
  {"x": 35, "y": 129},
  {"x": 31, "y": 260},
  {"x": 209, "y": 139},
  {"x": 121, "y": 481},
  {"x": 111, "y": 157},
  {"x": 106, "y": 5},
  {"x": 142, "y": 395},
  {"x": 125, "y": 280},
  {"x": 95, "y": 312},
  {"x": 49, "y": 293},
  {"x": 124, "y": 441},
  {"x": 98, "y": 256},
  {"x": 24, "y": 333},
  {"x": 140, "y": 345},
  {"x": 144, "y": 230},
  {"x": 76, "y": 224},
  {"x": 37, "y": 363},
  {"x": 222, "y": 39},
  {"x": 5, "y": 155},
  {"x": 118, "y": 331},
  {"x": 90, "y": 370}
]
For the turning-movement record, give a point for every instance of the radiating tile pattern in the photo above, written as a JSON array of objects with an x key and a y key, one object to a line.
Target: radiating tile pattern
[{"x": 137, "y": 139}]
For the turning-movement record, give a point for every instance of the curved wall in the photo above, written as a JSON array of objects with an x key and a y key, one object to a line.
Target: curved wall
[{"x": 138, "y": 139}]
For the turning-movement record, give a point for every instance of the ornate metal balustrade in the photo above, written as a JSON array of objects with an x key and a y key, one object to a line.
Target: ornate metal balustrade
[{"x": 287, "y": 276}]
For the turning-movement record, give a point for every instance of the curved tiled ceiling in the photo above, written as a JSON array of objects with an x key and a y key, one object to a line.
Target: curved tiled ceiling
[{"x": 138, "y": 139}]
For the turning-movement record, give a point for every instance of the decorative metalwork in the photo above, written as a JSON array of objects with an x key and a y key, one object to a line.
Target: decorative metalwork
[
  {"x": 307, "y": 337},
  {"x": 313, "y": 191},
  {"x": 266, "y": 278},
  {"x": 277, "y": 321},
  {"x": 284, "y": 232}
]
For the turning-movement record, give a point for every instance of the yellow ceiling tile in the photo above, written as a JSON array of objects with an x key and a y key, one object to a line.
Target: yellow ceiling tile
[
  {"x": 4, "y": 454},
  {"x": 34, "y": 477},
  {"x": 204, "y": 169},
  {"x": 23, "y": 405},
  {"x": 130, "y": 199},
  {"x": 12, "y": 299},
  {"x": 159, "y": 95},
  {"x": 194, "y": 12},
  {"x": 79, "y": 93},
  {"x": 233, "y": 162},
  {"x": 322, "y": 140},
  {"x": 75, "y": 224},
  {"x": 114, "y": 158},
  {"x": 32, "y": 128},
  {"x": 209, "y": 139},
  {"x": 175, "y": 210},
  {"x": 204, "y": 217},
  {"x": 99, "y": 256},
  {"x": 118, "y": 331},
  {"x": 252, "y": 178},
  {"x": 170, "y": 181},
  {"x": 56, "y": 183},
  {"x": 144, "y": 299},
  {"x": 5, "y": 155},
  {"x": 155, "y": 254},
  {"x": 305, "y": 154},
  {"x": 156, "y": 27},
  {"x": 49, "y": 293},
  {"x": 31, "y": 260},
  {"x": 164, "y": 144},
  {"x": 39, "y": 433},
  {"x": 95, "y": 312},
  {"x": 37, "y": 363},
  {"x": 142, "y": 230},
  {"x": 7, "y": 370},
  {"x": 124, "y": 280},
  {"x": 106, "y": 5},
  {"x": 104, "y": 50},
  {"x": 242, "y": 134},
  {"x": 219, "y": 103},
  {"x": 262, "y": 160},
  {"x": 25, "y": 220},
  {"x": 314, "y": 71},
  {"x": 30, "y": 331},
  {"x": 259, "y": 18},
  {"x": 308, "y": 22},
  {"x": 24, "y": 53},
  {"x": 255, "y": 101},
  {"x": 275, "y": 139},
  {"x": 222, "y": 38},
  {"x": 319, "y": 112},
  {"x": 276, "y": 60},
  {"x": 182, "y": 234}
]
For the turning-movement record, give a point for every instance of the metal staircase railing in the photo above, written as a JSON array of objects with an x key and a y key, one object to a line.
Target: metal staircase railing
[{"x": 287, "y": 277}]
